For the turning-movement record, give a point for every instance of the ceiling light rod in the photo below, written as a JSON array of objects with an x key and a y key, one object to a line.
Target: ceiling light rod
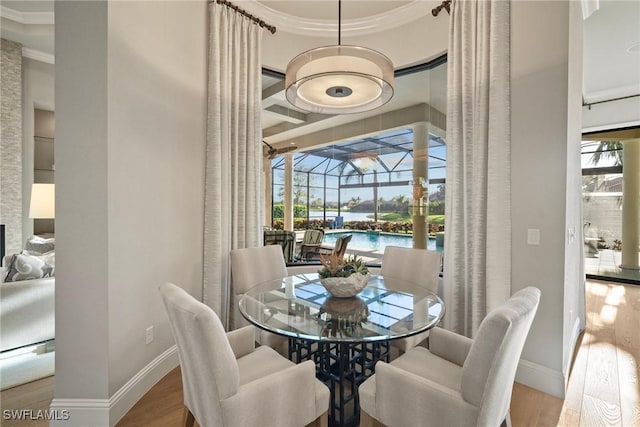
[
  {"x": 339, "y": 22},
  {"x": 339, "y": 79}
]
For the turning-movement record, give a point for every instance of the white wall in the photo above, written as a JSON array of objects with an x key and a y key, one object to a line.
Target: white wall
[
  {"x": 157, "y": 116},
  {"x": 82, "y": 223},
  {"x": 130, "y": 118},
  {"x": 574, "y": 302},
  {"x": 544, "y": 133},
  {"x": 38, "y": 81}
]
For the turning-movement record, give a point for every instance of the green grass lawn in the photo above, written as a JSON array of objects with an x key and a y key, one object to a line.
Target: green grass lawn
[
  {"x": 393, "y": 216},
  {"x": 396, "y": 216},
  {"x": 435, "y": 219}
]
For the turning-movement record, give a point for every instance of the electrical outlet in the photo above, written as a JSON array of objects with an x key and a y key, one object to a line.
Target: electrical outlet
[
  {"x": 533, "y": 236},
  {"x": 149, "y": 337}
]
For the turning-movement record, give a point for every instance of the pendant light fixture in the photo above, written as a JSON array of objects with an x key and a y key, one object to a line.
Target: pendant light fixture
[{"x": 339, "y": 79}]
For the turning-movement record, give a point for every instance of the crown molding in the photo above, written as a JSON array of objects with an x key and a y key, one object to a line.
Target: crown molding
[
  {"x": 27, "y": 18},
  {"x": 37, "y": 55},
  {"x": 354, "y": 27}
]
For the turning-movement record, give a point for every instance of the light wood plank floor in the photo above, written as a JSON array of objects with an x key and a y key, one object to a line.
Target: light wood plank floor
[{"x": 603, "y": 389}]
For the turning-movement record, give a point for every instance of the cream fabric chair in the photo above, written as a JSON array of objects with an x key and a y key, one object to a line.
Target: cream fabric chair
[
  {"x": 419, "y": 266},
  {"x": 229, "y": 382},
  {"x": 458, "y": 381},
  {"x": 251, "y": 267}
]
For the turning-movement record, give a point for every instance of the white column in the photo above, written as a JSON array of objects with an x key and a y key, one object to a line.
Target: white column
[
  {"x": 631, "y": 204},
  {"x": 268, "y": 177},
  {"x": 420, "y": 180},
  {"x": 288, "y": 191}
]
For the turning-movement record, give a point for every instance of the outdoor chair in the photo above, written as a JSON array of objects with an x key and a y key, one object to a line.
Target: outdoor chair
[
  {"x": 228, "y": 382},
  {"x": 458, "y": 381},
  {"x": 339, "y": 248},
  {"x": 310, "y": 243},
  {"x": 286, "y": 239}
]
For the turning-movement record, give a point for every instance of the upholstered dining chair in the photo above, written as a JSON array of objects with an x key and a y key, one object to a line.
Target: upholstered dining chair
[
  {"x": 228, "y": 382},
  {"x": 251, "y": 267},
  {"x": 457, "y": 381},
  {"x": 419, "y": 266}
]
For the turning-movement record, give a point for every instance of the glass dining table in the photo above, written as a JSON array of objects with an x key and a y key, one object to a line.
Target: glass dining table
[{"x": 345, "y": 337}]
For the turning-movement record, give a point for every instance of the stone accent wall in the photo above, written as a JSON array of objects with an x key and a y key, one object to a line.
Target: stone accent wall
[{"x": 11, "y": 143}]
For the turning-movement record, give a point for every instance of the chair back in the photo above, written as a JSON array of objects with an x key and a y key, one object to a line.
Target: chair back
[
  {"x": 250, "y": 267},
  {"x": 312, "y": 237},
  {"x": 209, "y": 368},
  {"x": 419, "y": 266},
  {"x": 341, "y": 245},
  {"x": 490, "y": 367}
]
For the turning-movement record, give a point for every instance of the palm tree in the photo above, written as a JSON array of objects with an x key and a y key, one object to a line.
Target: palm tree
[
  {"x": 605, "y": 150},
  {"x": 355, "y": 200},
  {"x": 608, "y": 150}
]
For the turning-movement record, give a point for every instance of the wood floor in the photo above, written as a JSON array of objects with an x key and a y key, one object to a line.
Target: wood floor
[{"x": 603, "y": 389}]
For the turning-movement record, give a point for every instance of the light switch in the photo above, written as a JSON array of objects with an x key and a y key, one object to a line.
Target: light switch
[{"x": 533, "y": 236}]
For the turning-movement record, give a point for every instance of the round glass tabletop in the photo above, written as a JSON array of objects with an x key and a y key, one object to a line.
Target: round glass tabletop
[{"x": 300, "y": 307}]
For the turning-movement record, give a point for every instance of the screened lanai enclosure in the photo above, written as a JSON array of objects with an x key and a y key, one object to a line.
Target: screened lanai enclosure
[{"x": 363, "y": 182}]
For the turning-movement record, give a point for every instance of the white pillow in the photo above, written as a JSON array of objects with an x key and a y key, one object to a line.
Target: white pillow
[
  {"x": 25, "y": 267},
  {"x": 40, "y": 244}
]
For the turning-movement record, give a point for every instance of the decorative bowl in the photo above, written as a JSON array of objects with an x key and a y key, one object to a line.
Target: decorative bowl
[{"x": 345, "y": 287}]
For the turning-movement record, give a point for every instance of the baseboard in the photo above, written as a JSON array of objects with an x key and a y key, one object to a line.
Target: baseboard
[
  {"x": 541, "y": 378},
  {"x": 80, "y": 412},
  {"x": 107, "y": 412},
  {"x": 575, "y": 334},
  {"x": 124, "y": 399}
]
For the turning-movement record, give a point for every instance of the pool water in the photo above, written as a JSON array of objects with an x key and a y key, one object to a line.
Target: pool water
[{"x": 375, "y": 241}]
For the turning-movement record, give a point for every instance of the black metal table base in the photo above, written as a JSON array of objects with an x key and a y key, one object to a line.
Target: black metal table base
[{"x": 342, "y": 367}]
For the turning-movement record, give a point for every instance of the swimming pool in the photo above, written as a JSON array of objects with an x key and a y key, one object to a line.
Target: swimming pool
[{"x": 368, "y": 240}]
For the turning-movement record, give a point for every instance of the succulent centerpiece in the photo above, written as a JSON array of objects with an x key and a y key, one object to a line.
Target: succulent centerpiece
[{"x": 343, "y": 277}]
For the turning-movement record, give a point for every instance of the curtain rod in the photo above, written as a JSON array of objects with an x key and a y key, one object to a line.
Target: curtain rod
[
  {"x": 589, "y": 104},
  {"x": 241, "y": 11},
  {"x": 446, "y": 4}
]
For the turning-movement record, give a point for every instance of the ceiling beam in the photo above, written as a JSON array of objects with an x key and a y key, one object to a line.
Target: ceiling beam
[
  {"x": 273, "y": 90},
  {"x": 369, "y": 126},
  {"x": 286, "y": 114},
  {"x": 310, "y": 118}
]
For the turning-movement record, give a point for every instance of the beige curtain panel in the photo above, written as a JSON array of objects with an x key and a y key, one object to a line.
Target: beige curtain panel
[
  {"x": 233, "y": 180},
  {"x": 477, "y": 265}
]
